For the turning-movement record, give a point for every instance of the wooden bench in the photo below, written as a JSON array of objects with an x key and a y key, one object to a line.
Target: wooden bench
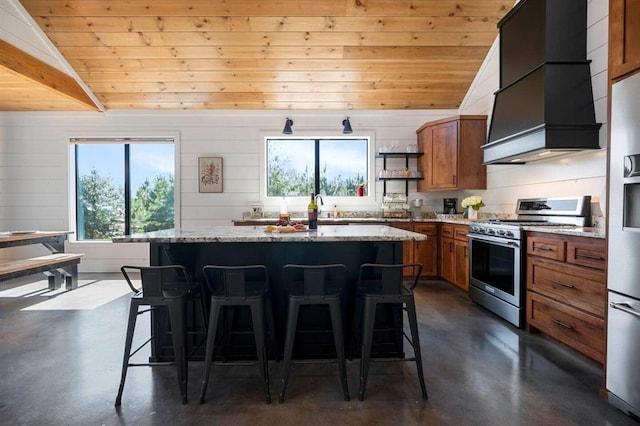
[{"x": 57, "y": 266}]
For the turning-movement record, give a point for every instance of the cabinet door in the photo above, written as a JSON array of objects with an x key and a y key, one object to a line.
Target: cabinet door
[
  {"x": 444, "y": 156},
  {"x": 461, "y": 264},
  {"x": 447, "y": 259},
  {"x": 424, "y": 162},
  {"x": 426, "y": 252},
  {"x": 624, "y": 37},
  {"x": 408, "y": 247}
]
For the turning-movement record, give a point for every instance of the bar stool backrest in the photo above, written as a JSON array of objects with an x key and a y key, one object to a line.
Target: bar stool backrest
[
  {"x": 314, "y": 280},
  {"x": 234, "y": 281},
  {"x": 379, "y": 278},
  {"x": 156, "y": 281}
]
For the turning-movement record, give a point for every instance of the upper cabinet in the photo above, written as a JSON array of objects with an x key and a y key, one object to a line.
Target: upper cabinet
[
  {"x": 624, "y": 37},
  {"x": 452, "y": 156}
]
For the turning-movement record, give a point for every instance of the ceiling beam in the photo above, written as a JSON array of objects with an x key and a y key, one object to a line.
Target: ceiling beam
[{"x": 22, "y": 64}]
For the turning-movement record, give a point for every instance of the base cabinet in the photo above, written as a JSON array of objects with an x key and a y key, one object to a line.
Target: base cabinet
[
  {"x": 425, "y": 252},
  {"x": 454, "y": 254},
  {"x": 566, "y": 291}
]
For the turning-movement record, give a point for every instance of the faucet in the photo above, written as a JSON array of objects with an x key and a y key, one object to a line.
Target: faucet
[{"x": 321, "y": 200}]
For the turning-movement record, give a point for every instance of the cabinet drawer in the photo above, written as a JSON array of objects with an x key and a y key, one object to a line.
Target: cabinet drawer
[
  {"x": 407, "y": 226},
  {"x": 446, "y": 230},
  {"x": 578, "y": 330},
  {"x": 430, "y": 229},
  {"x": 549, "y": 247},
  {"x": 576, "y": 286},
  {"x": 587, "y": 252},
  {"x": 460, "y": 232}
]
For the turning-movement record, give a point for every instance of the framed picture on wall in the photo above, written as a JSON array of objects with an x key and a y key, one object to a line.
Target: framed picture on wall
[{"x": 210, "y": 174}]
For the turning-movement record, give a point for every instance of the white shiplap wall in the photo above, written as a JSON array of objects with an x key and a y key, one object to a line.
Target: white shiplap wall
[{"x": 34, "y": 162}]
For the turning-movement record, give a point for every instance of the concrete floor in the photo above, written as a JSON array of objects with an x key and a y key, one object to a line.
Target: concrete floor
[{"x": 61, "y": 366}]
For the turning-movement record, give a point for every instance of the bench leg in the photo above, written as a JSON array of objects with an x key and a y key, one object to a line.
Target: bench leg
[
  {"x": 54, "y": 278},
  {"x": 70, "y": 274}
]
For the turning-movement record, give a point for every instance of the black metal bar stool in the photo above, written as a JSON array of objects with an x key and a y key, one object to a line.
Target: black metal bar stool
[
  {"x": 164, "y": 287},
  {"x": 383, "y": 284},
  {"x": 314, "y": 285},
  {"x": 237, "y": 286}
]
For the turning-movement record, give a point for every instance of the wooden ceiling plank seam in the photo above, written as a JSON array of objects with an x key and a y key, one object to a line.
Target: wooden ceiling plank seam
[
  {"x": 413, "y": 64},
  {"x": 43, "y": 74},
  {"x": 266, "y": 8},
  {"x": 244, "y": 52},
  {"x": 66, "y": 24},
  {"x": 274, "y": 39},
  {"x": 268, "y": 76}
]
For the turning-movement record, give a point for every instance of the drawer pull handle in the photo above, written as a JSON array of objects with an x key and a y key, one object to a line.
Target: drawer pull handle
[
  {"x": 625, "y": 307},
  {"x": 562, "y": 324},
  {"x": 589, "y": 256},
  {"x": 544, "y": 248},
  {"x": 560, "y": 283}
]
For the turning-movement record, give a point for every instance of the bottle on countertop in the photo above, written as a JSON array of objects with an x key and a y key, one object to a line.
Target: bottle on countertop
[
  {"x": 336, "y": 213},
  {"x": 284, "y": 212},
  {"x": 312, "y": 212}
]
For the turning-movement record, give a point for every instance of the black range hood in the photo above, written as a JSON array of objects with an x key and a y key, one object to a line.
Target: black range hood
[{"x": 544, "y": 107}]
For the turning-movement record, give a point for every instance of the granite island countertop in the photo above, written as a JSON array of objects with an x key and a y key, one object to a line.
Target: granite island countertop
[
  {"x": 240, "y": 234},
  {"x": 590, "y": 232}
]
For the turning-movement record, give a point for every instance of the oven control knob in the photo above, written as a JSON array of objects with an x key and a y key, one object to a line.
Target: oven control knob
[
  {"x": 508, "y": 234},
  {"x": 490, "y": 232},
  {"x": 500, "y": 232}
]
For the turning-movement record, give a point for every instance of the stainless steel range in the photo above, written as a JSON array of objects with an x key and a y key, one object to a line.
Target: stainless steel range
[{"x": 497, "y": 251}]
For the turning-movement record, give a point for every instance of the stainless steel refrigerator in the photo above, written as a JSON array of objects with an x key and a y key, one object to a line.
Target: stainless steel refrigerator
[{"x": 623, "y": 276}]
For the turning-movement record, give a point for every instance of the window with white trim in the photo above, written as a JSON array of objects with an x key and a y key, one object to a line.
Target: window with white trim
[
  {"x": 123, "y": 186},
  {"x": 331, "y": 166}
]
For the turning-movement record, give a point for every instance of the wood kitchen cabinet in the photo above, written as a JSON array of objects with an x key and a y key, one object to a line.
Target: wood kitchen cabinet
[
  {"x": 425, "y": 252},
  {"x": 454, "y": 254},
  {"x": 566, "y": 290},
  {"x": 624, "y": 37},
  {"x": 452, "y": 157}
]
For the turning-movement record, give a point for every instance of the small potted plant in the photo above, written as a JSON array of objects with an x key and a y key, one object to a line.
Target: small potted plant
[{"x": 472, "y": 204}]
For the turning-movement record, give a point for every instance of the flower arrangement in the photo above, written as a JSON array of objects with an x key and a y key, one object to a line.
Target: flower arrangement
[{"x": 473, "y": 201}]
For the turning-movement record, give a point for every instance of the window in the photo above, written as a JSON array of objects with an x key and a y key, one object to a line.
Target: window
[
  {"x": 123, "y": 188},
  {"x": 329, "y": 166}
]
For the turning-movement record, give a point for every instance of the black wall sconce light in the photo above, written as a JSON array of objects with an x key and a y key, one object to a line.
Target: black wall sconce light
[
  {"x": 347, "y": 126},
  {"x": 287, "y": 127}
]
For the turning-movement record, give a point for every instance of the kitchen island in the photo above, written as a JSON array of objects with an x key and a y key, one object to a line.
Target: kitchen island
[{"x": 351, "y": 245}]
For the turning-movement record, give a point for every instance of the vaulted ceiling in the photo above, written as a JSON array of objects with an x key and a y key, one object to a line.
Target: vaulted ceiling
[{"x": 260, "y": 54}]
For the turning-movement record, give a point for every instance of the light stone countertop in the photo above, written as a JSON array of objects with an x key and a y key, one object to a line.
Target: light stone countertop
[
  {"x": 249, "y": 234},
  {"x": 564, "y": 230},
  {"x": 591, "y": 232}
]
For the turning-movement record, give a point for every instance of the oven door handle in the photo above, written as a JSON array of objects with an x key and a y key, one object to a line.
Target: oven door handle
[{"x": 506, "y": 243}]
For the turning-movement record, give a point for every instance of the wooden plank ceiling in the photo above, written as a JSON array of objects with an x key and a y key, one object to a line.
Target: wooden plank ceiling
[{"x": 273, "y": 54}]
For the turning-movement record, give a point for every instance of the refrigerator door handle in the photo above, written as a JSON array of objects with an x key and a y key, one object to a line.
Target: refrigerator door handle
[{"x": 625, "y": 307}]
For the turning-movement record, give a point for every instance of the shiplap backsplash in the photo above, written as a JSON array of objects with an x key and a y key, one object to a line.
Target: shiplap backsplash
[{"x": 34, "y": 156}]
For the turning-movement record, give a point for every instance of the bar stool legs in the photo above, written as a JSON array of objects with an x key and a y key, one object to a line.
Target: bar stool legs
[
  {"x": 415, "y": 339},
  {"x": 380, "y": 284},
  {"x": 133, "y": 315},
  {"x": 292, "y": 320},
  {"x": 338, "y": 338},
  {"x": 370, "y": 304},
  {"x": 235, "y": 287},
  {"x": 158, "y": 290},
  {"x": 336, "y": 324}
]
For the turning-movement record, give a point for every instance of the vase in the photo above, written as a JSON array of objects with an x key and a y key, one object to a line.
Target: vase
[{"x": 472, "y": 213}]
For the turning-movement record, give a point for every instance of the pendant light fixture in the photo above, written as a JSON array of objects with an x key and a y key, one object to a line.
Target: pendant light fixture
[
  {"x": 347, "y": 126},
  {"x": 287, "y": 127}
]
